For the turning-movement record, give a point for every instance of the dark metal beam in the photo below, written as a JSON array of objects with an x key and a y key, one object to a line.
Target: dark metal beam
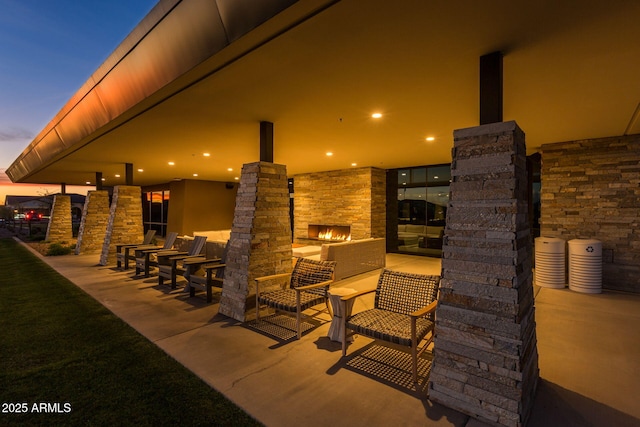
[
  {"x": 491, "y": 98},
  {"x": 128, "y": 173},
  {"x": 98, "y": 180},
  {"x": 266, "y": 142}
]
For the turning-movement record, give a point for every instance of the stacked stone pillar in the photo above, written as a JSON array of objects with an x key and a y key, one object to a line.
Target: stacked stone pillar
[
  {"x": 60, "y": 222},
  {"x": 260, "y": 236},
  {"x": 125, "y": 221},
  {"x": 485, "y": 354},
  {"x": 93, "y": 226}
]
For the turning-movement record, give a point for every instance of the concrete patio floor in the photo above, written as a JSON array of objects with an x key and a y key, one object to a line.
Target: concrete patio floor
[{"x": 588, "y": 345}]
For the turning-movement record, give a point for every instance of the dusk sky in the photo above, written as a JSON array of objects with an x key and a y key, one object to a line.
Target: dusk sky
[{"x": 48, "y": 49}]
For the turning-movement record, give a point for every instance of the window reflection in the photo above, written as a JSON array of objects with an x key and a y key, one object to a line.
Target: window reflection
[
  {"x": 423, "y": 196},
  {"x": 155, "y": 210}
]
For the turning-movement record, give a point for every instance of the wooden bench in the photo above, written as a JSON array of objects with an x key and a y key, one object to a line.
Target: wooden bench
[{"x": 403, "y": 312}]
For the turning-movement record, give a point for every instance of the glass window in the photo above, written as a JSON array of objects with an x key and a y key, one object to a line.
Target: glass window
[
  {"x": 404, "y": 177},
  {"x": 155, "y": 210},
  {"x": 423, "y": 196},
  {"x": 418, "y": 176},
  {"x": 439, "y": 175}
]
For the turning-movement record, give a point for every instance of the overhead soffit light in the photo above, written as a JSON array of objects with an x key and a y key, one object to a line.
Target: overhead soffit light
[
  {"x": 172, "y": 163},
  {"x": 140, "y": 170},
  {"x": 430, "y": 138},
  {"x": 206, "y": 154},
  {"x": 329, "y": 153},
  {"x": 376, "y": 115}
]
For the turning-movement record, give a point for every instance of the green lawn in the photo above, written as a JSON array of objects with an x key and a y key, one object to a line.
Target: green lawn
[{"x": 61, "y": 348}]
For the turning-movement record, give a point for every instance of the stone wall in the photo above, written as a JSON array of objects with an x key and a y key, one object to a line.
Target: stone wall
[
  {"x": 591, "y": 189},
  {"x": 125, "y": 221},
  {"x": 354, "y": 197},
  {"x": 485, "y": 354},
  {"x": 260, "y": 243},
  {"x": 93, "y": 226},
  {"x": 60, "y": 228}
]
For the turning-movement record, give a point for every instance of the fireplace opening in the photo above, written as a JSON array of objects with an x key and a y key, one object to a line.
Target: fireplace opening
[{"x": 337, "y": 233}]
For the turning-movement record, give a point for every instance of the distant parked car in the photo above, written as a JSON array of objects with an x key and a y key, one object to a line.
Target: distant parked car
[{"x": 33, "y": 216}]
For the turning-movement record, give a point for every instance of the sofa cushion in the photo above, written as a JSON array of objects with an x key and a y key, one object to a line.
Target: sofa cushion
[
  {"x": 416, "y": 229},
  {"x": 214, "y": 235},
  {"x": 305, "y": 251},
  {"x": 434, "y": 232}
]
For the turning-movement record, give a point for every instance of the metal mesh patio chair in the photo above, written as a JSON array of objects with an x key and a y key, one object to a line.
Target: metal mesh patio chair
[
  {"x": 307, "y": 286},
  {"x": 403, "y": 313}
]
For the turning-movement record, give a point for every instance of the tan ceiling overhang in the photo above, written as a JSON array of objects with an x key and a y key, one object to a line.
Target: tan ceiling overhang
[
  {"x": 198, "y": 76},
  {"x": 153, "y": 63}
]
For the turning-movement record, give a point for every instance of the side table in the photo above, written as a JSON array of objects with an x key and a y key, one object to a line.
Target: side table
[{"x": 335, "y": 329}]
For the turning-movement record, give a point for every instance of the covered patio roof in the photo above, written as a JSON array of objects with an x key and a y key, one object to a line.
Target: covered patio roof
[{"x": 197, "y": 76}]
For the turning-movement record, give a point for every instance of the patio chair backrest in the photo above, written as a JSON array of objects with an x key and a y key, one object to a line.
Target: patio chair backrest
[
  {"x": 309, "y": 272},
  {"x": 405, "y": 292},
  {"x": 197, "y": 245},
  {"x": 170, "y": 240},
  {"x": 148, "y": 237}
]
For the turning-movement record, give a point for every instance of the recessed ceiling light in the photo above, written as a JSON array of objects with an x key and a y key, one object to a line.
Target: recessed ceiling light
[
  {"x": 195, "y": 174},
  {"x": 236, "y": 178},
  {"x": 104, "y": 179},
  {"x": 329, "y": 154},
  {"x": 117, "y": 175},
  {"x": 88, "y": 183},
  {"x": 140, "y": 170},
  {"x": 376, "y": 115},
  {"x": 430, "y": 138},
  {"x": 354, "y": 164},
  {"x": 230, "y": 169},
  {"x": 206, "y": 154},
  {"x": 171, "y": 163},
  {"x": 436, "y": 177}
]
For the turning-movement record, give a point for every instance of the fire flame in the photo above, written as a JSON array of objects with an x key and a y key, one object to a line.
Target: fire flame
[{"x": 330, "y": 235}]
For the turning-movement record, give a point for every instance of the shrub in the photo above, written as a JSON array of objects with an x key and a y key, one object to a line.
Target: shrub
[{"x": 58, "y": 249}]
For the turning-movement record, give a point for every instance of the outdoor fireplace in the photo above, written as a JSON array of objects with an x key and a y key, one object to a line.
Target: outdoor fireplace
[{"x": 329, "y": 232}]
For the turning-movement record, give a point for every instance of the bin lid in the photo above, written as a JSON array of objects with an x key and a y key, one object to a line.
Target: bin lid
[{"x": 584, "y": 242}]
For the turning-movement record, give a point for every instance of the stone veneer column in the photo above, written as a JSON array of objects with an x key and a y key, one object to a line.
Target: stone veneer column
[
  {"x": 60, "y": 223},
  {"x": 485, "y": 354},
  {"x": 260, "y": 235},
  {"x": 93, "y": 226},
  {"x": 125, "y": 221}
]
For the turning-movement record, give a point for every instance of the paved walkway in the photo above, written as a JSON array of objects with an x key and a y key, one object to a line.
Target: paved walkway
[{"x": 589, "y": 347}]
